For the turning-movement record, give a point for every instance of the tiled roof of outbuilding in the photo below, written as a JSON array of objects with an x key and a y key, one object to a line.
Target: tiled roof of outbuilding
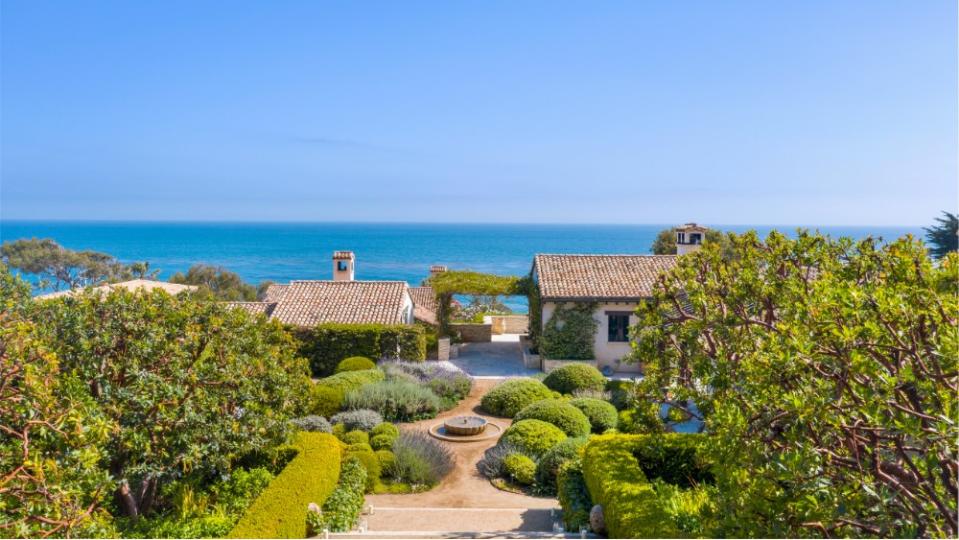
[
  {"x": 255, "y": 308},
  {"x": 307, "y": 303},
  {"x": 599, "y": 277},
  {"x": 274, "y": 293}
]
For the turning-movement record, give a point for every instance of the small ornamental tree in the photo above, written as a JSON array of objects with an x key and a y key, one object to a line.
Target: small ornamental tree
[
  {"x": 944, "y": 237},
  {"x": 826, "y": 372},
  {"x": 189, "y": 385}
]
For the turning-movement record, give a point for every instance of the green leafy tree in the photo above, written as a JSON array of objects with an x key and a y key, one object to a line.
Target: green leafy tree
[
  {"x": 826, "y": 373},
  {"x": 217, "y": 282},
  {"x": 191, "y": 386},
  {"x": 50, "y": 434},
  {"x": 944, "y": 237},
  {"x": 665, "y": 243},
  {"x": 58, "y": 267}
]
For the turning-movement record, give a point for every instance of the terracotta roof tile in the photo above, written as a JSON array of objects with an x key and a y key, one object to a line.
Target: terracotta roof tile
[
  {"x": 307, "y": 303},
  {"x": 274, "y": 293},
  {"x": 265, "y": 308},
  {"x": 599, "y": 277},
  {"x": 424, "y": 304}
]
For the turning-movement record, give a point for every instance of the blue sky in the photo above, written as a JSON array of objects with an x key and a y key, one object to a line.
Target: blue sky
[{"x": 616, "y": 112}]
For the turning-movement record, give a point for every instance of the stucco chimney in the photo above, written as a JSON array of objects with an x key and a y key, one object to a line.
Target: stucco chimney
[
  {"x": 689, "y": 238},
  {"x": 344, "y": 266}
]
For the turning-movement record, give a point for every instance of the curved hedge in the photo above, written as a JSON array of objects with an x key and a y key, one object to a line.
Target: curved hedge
[
  {"x": 572, "y": 377},
  {"x": 602, "y": 415},
  {"x": 533, "y": 437},
  {"x": 613, "y": 468},
  {"x": 559, "y": 413},
  {"x": 311, "y": 476},
  {"x": 554, "y": 458},
  {"x": 355, "y": 363},
  {"x": 507, "y": 398}
]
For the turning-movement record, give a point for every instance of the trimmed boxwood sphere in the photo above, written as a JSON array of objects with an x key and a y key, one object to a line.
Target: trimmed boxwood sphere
[
  {"x": 355, "y": 363},
  {"x": 549, "y": 464},
  {"x": 533, "y": 437},
  {"x": 602, "y": 415},
  {"x": 572, "y": 377},
  {"x": 559, "y": 413},
  {"x": 386, "y": 428},
  {"x": 507, "y": 398},
  {"x": 520, "y": 468}
]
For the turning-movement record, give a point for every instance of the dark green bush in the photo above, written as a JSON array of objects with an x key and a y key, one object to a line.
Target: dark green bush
[
  {"x": 533, "y": 437},
  {"x": 280, "y": 511},
  {"x": 355, "y": 363},
  {"x": 573, "y": 496},
  {"x": 554, "y": 458},
  {"x": 325, "y": 400},
  {"x": 634, "y": 507},
  {"x": 570, "y": 332},
  {"x": 325, "y": 345},
  {"x": 520, "y": 468},
  {"x": 619, "y": 392},
  {"x": 602, "y": 415},
  {"x": 559, "y": 413},
  {"x": 572, "y": 377},
  {"x": 342, "y": 508},
  {"x": 355, "y": 436},
  {"x": 507, "y": 398}
]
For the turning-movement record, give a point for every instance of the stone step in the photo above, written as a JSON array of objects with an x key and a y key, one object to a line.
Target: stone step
[{"x": 441, "y": 522}]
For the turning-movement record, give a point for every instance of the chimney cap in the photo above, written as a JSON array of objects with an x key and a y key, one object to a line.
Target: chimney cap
[
  {"x": 692, "y": 226},
  {"x": 343, "y": 255},
  {"x": 438, "y": 268}
]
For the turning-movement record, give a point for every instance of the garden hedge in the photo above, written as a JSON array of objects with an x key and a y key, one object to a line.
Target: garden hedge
[
  {"x": 632, "y": 508},
  {"x": 311, "y": 476},
  {"x": 573, "y": 377},
  {"x": 342, "y": 508},
  {"x": 573, "y": 496},
  {"x": 602, "y": 415},
  {"x": 355, "y": 363},
  {"x": 559, "y": 413},
  {"x": 507, "y": 398},
  {"x": 326, "y": 344},
  {"x": 532, "y": 437}
]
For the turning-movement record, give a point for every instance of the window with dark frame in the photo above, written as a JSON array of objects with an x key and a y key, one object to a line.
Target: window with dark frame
[{"x": 618, "y": 327}]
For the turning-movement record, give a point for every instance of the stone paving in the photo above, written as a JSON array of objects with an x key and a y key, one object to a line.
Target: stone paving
[{"x": 498, "y": 359}]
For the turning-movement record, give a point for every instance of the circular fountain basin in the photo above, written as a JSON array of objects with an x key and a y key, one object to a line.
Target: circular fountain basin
[
  {"x": 464, "y": 425},
  {"x": 465, "y": 429}
]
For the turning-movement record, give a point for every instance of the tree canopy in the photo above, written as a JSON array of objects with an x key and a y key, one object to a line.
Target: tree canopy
[
  {"x": 826, "y": 373},
  {"x": 58, "y": 267},
  {"x": 944, "y": 237},
  {"x": 665, "y": 243},
  {"x": 217, "y": 282}
]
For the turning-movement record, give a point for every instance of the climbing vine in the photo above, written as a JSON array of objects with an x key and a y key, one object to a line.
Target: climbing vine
[
  {"x": 569, "y": 333},
  {"x": 446, "y": 284}
]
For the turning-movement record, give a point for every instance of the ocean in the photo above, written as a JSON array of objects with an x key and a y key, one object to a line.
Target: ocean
[{"x": 384, "y": 251}]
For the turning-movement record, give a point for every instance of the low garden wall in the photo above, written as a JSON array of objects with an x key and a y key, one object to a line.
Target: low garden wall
[
  {"x": 473, "y": 332},
  {"x": 509, "y": 324},
  {"x": 550, "y": 364}
]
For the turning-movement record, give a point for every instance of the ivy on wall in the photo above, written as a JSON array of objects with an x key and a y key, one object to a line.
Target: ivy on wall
[{"x": 569, "y": 333}]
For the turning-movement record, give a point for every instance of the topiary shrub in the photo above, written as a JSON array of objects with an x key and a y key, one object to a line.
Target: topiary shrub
[
  {"x": 358, "y": 447},
  {"x": 520, "y": 468},
  {"x": 365, "y": 455},
  {"x": 386, "y": 458},
  {"x": 311, "y": 476},
  {"x": 381, "y": 442},
  {"x": 507, "y": 398},
  {"x": 573, "y": 377},
  {"x": 325, "y": 400},
  {"x": 396, "y": 401},
  {"x": 559, "y": 413},
  {"x": 348, "y": 381},
  {"x": 602, "y": 415},
  {"x": 554, "y": 458},
  {"x": 420, "y": 460},
  {"x": 361, "y": 419},
  {"x": 533, "y": 437},
  {"x": 386, "y": 428},
  {"x": 342, "y": 508},
  {"x": 312, "y": 423},
  {"x": 355, "y": 437},
  {"x": 355, "y": 363},
  {"x": 491, "y": 466}
]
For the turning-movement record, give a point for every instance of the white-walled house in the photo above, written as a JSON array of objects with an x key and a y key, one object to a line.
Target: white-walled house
[{"x": 615, "y": 283}]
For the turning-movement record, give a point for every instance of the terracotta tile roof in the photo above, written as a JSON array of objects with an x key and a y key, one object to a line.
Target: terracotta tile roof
[
  {"x": 132, "y": 285},
  {"x": 599, "y": 277},
  {"x": 307, "y": 303},
  {"x": 274, "y": 293},
  {"x": 343, "y": 255},
  {"x": 265, "y": 308},
  {"x": 424, "y": 304}
]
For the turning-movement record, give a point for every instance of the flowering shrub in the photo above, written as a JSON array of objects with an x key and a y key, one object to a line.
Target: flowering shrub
[{"x": 361, "y": 419}]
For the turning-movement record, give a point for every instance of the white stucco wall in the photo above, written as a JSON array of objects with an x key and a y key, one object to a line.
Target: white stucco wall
[{"x": 607, "y": 353}]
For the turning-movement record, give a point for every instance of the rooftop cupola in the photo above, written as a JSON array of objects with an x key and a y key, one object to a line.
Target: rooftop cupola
[
  {"x": 344, "y": 266},
  {"x": 689, "y": 238}
]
